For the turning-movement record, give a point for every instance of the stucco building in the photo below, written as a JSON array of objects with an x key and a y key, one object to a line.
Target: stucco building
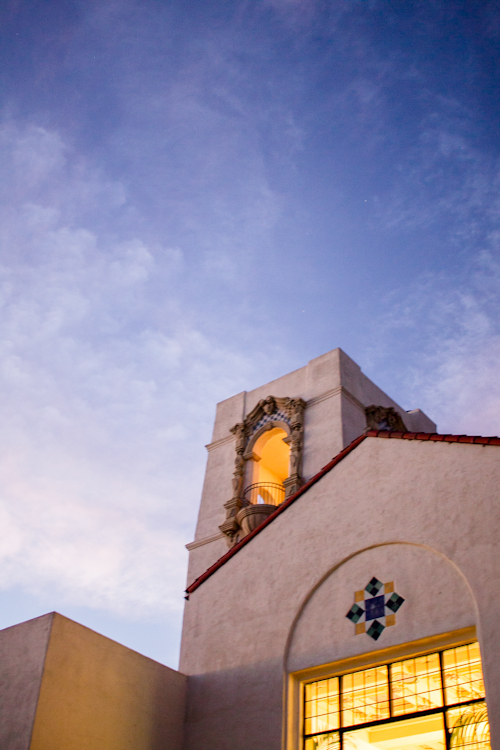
[{"x": 342, "y": 591}]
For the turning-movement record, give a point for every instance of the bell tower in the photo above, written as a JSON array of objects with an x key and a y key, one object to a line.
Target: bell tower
[{"x": 268, "y": 442}]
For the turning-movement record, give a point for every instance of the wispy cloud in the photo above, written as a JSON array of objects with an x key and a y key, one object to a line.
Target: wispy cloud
[
  {"x": 447, "y": 336},
  {"x": 444, "y": 322},
  {"x": 108, "y": 389},
  {"x": 200, "y": 186}
]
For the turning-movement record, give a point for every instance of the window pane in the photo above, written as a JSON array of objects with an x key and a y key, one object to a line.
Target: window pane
[
  {"x": 468, "y": 727},
  {"x": 321, "y": 708},
  {"x": 323, "y": 742},
  {"x": 416, "y": 685},
  {"x": 422, "y": 733},
  {"x": 365, "y": 696},
  {"x": 462, "y": 674}
]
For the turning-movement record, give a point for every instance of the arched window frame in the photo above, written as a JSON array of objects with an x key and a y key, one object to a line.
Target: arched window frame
[
  {"x": 284, "y": 413},
  {"x": 280, "y": 424}
]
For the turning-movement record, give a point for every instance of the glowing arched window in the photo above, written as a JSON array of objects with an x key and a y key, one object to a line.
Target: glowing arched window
[{"x": 268, "y": 468}]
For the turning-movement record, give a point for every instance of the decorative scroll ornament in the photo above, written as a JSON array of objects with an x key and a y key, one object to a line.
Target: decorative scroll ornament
[
  {"x": 287, "y": 413},
  {"x": 383, "y": 418}
]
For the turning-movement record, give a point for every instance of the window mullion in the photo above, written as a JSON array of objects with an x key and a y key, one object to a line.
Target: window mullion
[
  {"x": 341, "y": 711},
  {"x": 446, "y": 732},
  {"x": 442, "y": 676},
  {"x": 389, "y": 676}
]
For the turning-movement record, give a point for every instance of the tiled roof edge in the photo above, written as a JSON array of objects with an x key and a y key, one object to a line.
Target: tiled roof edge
[
  {"x": 434, "y": 437},
  {"x": 387, "y": 434}
]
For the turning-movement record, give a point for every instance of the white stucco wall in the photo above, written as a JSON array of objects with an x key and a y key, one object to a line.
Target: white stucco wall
[
  {"x": 425, "y": 579},
  {"x": 335, "y": 391},
  {"x": 246, "y": 626}
]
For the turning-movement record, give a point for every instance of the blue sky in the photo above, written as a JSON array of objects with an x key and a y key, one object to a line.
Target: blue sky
[{"x": 197, "y": 197}]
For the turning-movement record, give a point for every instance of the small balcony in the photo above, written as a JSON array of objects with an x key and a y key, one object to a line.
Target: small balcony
[{"x": 264, "y": 493}]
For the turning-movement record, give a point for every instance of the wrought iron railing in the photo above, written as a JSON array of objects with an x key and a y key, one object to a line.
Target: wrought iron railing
[{"x": 269, "y": 493}]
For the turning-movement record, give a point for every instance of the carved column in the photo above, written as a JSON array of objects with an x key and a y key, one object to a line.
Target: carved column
[
  {"x": 230, "y": 526},
  {"x": 295, "y": 409}
]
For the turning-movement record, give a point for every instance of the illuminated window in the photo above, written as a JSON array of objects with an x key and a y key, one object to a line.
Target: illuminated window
[
  {"x": 268, "y": 468},
  {"x": 468, "y": 727},
  {"x": 322, "y": 710},
  {"x": 365, "y": 696},
  {"x": 416, "y": 685},
  {"x": 431, "y": 702},
  {"x": 462, "y": 674}
]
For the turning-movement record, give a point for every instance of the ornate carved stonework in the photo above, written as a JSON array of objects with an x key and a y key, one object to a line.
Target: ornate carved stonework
[
  {"x": 383, "y": 418},
  {"x": 287, "y": 413}
]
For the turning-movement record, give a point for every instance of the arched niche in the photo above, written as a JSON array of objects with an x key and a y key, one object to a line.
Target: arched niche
[
  {"x": 267, "y": 469},
  {"x": 267, "y": 463},
  {"x": 439, "y": 611},
  {"x": 438, "y": 599}
]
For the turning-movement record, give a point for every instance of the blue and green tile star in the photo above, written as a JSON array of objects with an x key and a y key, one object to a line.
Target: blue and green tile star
[{"x": 375, "y": 608}]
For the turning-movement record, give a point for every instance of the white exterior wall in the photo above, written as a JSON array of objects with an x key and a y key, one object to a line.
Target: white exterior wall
[
  {"x": 425, "y": 515},
  {"x": 336, "y": 393}
]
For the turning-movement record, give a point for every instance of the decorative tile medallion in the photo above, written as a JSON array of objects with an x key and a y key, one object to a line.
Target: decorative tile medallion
[{"x": 375, "y": 608}]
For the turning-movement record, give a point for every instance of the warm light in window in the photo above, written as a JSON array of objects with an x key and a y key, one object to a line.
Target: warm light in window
[
  {"x": 365, "y": 696},
  {"x": 468, "y": 727},
  {"x": 414, "y": 734},
  {"x": 323, "y": 742},
  {"x": 273, "y": 457},
  {"x": 463, "y": 674},
  {"x": 434, "y": 703},
  {"x": 322, "y": 706},
  {"x": 416, "y": 685}
]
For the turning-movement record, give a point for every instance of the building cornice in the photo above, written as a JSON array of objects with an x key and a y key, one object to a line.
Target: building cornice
[
  {"x": 205, "y": 540},
  {"x": 218, "y": 443},
  {"x": 312, "y": 402},
  {"x": 338, "y": 390}
]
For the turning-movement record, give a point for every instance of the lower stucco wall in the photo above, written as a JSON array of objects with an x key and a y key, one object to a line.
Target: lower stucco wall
[
  {"x": 22, "y": 656},
  {"x": 99, "y": 695},
  {"x": 431, "y": 513}
]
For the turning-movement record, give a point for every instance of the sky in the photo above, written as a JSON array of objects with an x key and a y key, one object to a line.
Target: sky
[{"x": 196, "y": 198}]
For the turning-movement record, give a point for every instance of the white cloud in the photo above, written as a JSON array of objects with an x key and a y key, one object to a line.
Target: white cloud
[{"x": 107, "y": 393}]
